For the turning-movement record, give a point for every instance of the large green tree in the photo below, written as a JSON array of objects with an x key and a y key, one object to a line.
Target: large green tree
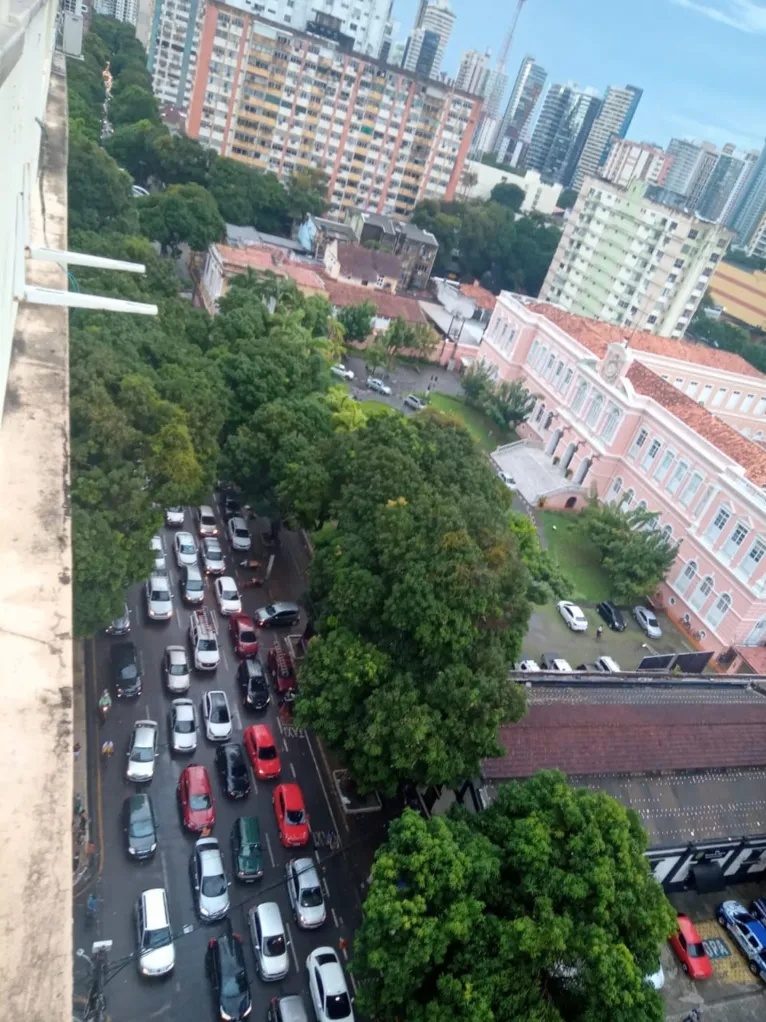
[
  {"x": 99, "y": 192},
  {"x": 134, "y": 147},
  {"x": 357, "y": 320},
  {"x": 133, "y": 104},
  {"x": 181, "y": 214}
]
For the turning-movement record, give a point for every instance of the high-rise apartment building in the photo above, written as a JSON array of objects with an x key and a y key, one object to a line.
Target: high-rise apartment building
[
  {"x": 282, "y": 100},
  {"x": 519, "y": 113},
  {"x": 477, "y": 76},
  {"x": 629, "y": 161},
  {"x": 173, "y": 46},
  {"x": 747, "y": 214},
  {"x": 121, "y": 10},
  {"x": 613, "y": 120},
  {"x": 690, "y": 165},
  {"x": 565, "y": 121},
  {"x": 472, "y": 71},
  {"x": 725, "y": 184},
  {"x": 757, "y": 245},
  {"x": 432, "y": 30},
  {"x": 493, "y": 89},
  {"x": 625, "y": 259}
]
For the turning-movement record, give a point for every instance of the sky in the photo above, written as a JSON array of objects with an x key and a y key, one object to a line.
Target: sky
[{"x": 701, "y": 63}]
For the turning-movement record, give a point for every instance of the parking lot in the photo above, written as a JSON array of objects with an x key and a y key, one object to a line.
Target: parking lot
[{"x": 548, "y": 634}]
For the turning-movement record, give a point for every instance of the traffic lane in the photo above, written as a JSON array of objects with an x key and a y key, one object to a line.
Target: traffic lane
[{"x": 403, "y": 379}]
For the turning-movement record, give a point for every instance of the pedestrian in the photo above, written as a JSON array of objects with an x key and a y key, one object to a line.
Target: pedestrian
[
  {"x": 83, "y": 823},
  {"x": 107, "y": 749},
  {"x": 599, "y": 631},
  {"x": 76, "y": 751},
  {"x": 342, "y": 943}
]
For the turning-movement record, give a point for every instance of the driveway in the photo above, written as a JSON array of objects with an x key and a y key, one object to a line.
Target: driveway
[{"x": 403, "y": 378}]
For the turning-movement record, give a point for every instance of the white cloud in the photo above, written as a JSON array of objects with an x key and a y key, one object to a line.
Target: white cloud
[{"x": 744, "y": 15}]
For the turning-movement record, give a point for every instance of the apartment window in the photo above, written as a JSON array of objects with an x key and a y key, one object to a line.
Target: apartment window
[
  {"x": 752, "y": 559},
  {"x": 579, "y": 397},
  {"x": 614, "y": 490},
  {"x": 567, "y": 379},
  {"x": 610, "y": 424},
  {"x": 691, "y": 387},
  {"x": 533, "y": 352},
  {"x": 718, "y": 524},
  {"x": 747, "y": 404},
  {"x": 638, "y": 443},
  {"x": 627, "y": 499},
  {"x": 664, "y": 464},
  {"x": 701, "y": 593},
  {"x": 557, "y": 375},
  {"x": 651, "y": 453},
  {"x": 686, "y": 577},
  {"x": 720, "y": 394},
  {"x": 760, "y": 408},
  {"x": 735, "y": 541},
  {"x": 733, "y": 398},
  {"x": 678, "y": 382},
  {"x": 703, "y": 504},
  {"x": 595, "y": 410},
  {"x": 693, "y": 234},
  {"x": 541, "y": 358},
  {"x": 691, "y": 489},
  {"x": 678, "y": 264},
  {"x": 678, "y": 476},
  {"x": 706, "y": 392},
  {"x": 549, "y": 367},
  {"x": 719, "y": 610}
]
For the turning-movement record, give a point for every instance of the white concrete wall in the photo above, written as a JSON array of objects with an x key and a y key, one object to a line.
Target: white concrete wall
[{"x": 538, "y": 198}]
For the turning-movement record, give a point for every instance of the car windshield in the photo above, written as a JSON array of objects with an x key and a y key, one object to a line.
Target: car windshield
[
  {"x": 179, "y": 669},
  {"x": 337, "y": 1006},
  {"x": 295, "y": 817},
  {"x": 247, "y": 635},
  {"x": 234, "y": 985},
  {"x": 207, "y": 645},
  {"x": 128, "y": 672},
  {"x": 251, "y": 849},
  {"x": 274, "y": 945},
  {"x": 219, "y": 713},
  {"x": 229, "y": 594},
  {"x": 242, "y": 533},
  {"x": 215, "y": 555},
  {"x": 142, "y": 754},
  {"x": 207, "y": 519},
  {"x": 187, "y": 547},
  {"x": 141, "y": 826},
  {"x": 695, "y": 950},
  {"x": 194, "y": 585},
  {"x": 213, "y": 887},
  {"x": 199, "y": 802},
  {"x": 238, "y": 768},
  {"x": 184, "y": 727},
  {"x": 270, "y": 610},
  {"x": 156, "y": 938},
  {"x": 311, "y": 897},
  {"x": 160, "y": 595},
  {"x": 267, "y": 752}
]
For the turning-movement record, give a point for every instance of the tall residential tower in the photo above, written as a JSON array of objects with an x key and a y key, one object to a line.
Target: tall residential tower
[
  {"x": 519, "y": 113},
  {"x": 617, "y": 110},
  {"x": 565, "y": 121}
]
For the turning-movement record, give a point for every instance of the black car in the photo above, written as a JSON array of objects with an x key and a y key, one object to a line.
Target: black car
[
  {"x": 232, "y": 769},
  {"x": 253, "y": 684},
  {"x": 126, "y": 670},
  {"x": 139, "y": 826},
  {"x": 612, "y": 615},
  {"x": 231, "y": 508},
  {"x": 275, "y": 615},
  {"x": 225, "y": 966}
]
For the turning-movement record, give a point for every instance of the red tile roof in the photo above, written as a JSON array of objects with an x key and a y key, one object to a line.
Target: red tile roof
[
  {"x": 269, "y": 258},
  {"x": 596, "y": 336},
  {"x": 484, "y": 299},
  {"x": 754, "y": 657},
  {"x": 388, "y": 305},
  {"x": 637, "y": 738},
  {"x": 751, "y": 456}
]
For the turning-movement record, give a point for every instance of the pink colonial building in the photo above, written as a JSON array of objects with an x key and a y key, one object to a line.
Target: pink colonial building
[{"x": 647, "y": 421}]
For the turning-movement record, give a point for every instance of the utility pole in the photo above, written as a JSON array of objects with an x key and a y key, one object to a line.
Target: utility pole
[{"x": 96, "y": 1007}]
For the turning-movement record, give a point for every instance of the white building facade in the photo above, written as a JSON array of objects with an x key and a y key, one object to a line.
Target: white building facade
[
  {"x": 633, "y": 161},
  {"x": 613, "y": 120}
]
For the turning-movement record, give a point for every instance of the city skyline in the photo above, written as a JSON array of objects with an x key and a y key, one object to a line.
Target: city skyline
[{"x": 585, "y": 41}]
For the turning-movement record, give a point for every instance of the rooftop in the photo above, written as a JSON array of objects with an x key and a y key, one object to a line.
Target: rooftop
[
  {"x": 268, "y": 258},
  {"x": 335, "y": 228},
  {"x": 418, "y": 234},
  {"x": 362, "y": 263},
  {"x": 385, "y": 223},
  {"x": 388, "y": 305},
  {"x": 742, "y": 293},
  {"x": 483, "y": 298},
  {"x": 242, "y": 235}
]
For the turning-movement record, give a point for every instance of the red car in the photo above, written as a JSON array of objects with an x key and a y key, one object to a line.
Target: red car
[
  {"x": 196, "y": 798},
  {"x": 292, "y": 820},
  {"x": 690, "y": 951},
  {"x": 262, "y": 751},
  {"x": 242, "y": 631},
  {"x": 282, "y": 674}
]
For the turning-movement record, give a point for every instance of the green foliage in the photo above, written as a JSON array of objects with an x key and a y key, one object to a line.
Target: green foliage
[
  {"x": 739, "y": 258},
  {"x": 635, "y": 553},
  {"x": 567, "y": 198},
  {"x": 356, "y": 321},
  {"x": 246, "y": 196},
  {"x": 182, "y": 213},
  {"x": 413, "y": 338},
  {"x": 99, "y": 192},
  {"x": 728, "y": 337},
  {"x": 134, "y": 147},
  {"x": 133, "y": 104},
  {"x": 307, "y": 193},
  {"x": 540, "y": 909},
  {"x": 507, "y": 194},
  {"x": 507, "y": 403},
  {"x": 546, "y": 579},
  {"x": 182, "y": 160}
]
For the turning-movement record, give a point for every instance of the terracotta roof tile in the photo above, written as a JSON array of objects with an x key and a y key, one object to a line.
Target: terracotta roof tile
[
  {"x": 389, "y": 305},
  {"x": 269, "y": 258},
  {"x": 484, "y": 299},
  {"x": 596, "y": 336},
  {"x": 746, "y": 453}
]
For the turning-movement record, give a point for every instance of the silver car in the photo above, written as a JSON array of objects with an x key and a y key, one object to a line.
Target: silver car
[
  {"x": 373, "y": 383},
  {"x": 239, "y": 534},
  {"x": 206, "y": 523},
  {"x": 647, "y": 622},
  {"x": 158, "y": 549},
  {"x": 142, "y": 752},
  {"x": 267, "y": 932},
  {"x": 217, "y": 716},
  {"x": 415, "y": 403},
  {"x": 121, "y": 624},
  {"x": 183, "y": 726},
  {"x": 192, "y": 585},
  {"x": 174, "y": 517},
  {"x": 305, "y": 892},
  {"x": 159, "y": 598},
  {"x": 185, "y": 548},
  {"x": 212, "y": 557},
  {"x": 177, "y": 671},
  {"x": 208, "y": 880}
]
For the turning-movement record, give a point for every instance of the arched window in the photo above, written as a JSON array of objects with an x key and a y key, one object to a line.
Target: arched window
[
  {"x": 533, "y": 352},
  {"x": 548, "y": 422},
  {"x": 595, "y": 410},
  {"x": 614, "y": 490},
  {"x": 610, "y": 424},
  {"x": 579, "y": 397},
  {"x": 701, "y": 593},
  {"x": 641, "y": 505},
  {"x": 686, "y": 577},
  {"x": 719, "y": 610},
  {"x": 541, "y": 357},
  {"x": 667, "y": 533},
  {"x": 627, "y": 499},
  {"x": 540, "y": 412}
]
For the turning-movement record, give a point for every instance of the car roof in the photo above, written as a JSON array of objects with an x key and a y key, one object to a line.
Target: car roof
[
  {"x": 210, "y": 854},
  {"x": 225, "y": 578},
  {"x": 229, "y": 947},
  {"x": 292, "y": 793},
  {"x": 155, "y": 579},
  {"x": 231, "y": 750},
  {"x": 141, "y": 800},
  {"x": 192, "y": 571},
  {"x": 270, "y": 916},
  {"x": 217, "y": 695},
  {"x": 332, "y": 974},
  {"x": 198, "y": 775},
  {"x": 183, "y": 534},
  {"x": 242, "y": 620},
  {"x": 212, "y": 543},
  {"x": 236, "y": 521},
  {"x": 122, "y": 651},
  {"x": 306, "y": 871},
  {"x": 177, "y": 653},
  {"x": 155, "y": 908},
  {"x": 183, "y": 707},
  {"x": 687, "y": 928},
  {"x": 283, "y": 605},
  {"x": 205, "y": 509},
  {"x": 262, "y": 733}
]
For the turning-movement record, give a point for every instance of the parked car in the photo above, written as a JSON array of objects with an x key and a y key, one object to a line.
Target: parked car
[
  {"x": 243, "y": 635},
  {"x": 415, "y": 403},
  {"x": 174, "y": 517},
  {"x": 192, "y": 585},
  {"x": 159, "y": 598},
  {"x": 239, "y": 534},
  {"x": 504, "y": 477},
  {"x": 185, "y": 549},
  {"x": 175, "y": 665},
  {"x": 555, "y": 662},
  {"x": 573, "y": 617},
  {"x": 292, "y": 819},
  {"x": 275, "y": 615},
  {"x": 227, "y": 594},
  {"x": 196, "y": 799},
  {"x": 287, "y": 1009},
  {"x": 227, "y": 972},
  {"x": 217, "y": 716},
  {"x": 208, "y": 880},
  {"x": 206, "y": 523},
  {"x": 373, "y": 383},
  {"x": 262, "y": 750},
  {"x": 611, "y": 615},
  {"x": 139, "y": 826},
  {"x": 142, "y": 751},
  {"x": 154, "y": 937},
  {"x": 527, "y": 665},
  {"x": 203, "y": 633},
  {"x": 689, "y": 950},
  {"x": 340, "y": 370},
  {"x": 267, "y": 932},
  {"x": 647, "y": 622},
  {"x": 232, "y": 770},
  {"x": 230, "y": 508},
  {"x": 304, "y": 890},
  {"x": 126, "y": 670},
  {"x": 158, "y": 549},
  {"x": 211, "y": 555},
  {"x": 603, "y": 665},
  {"x": 327, "y": 986},
  {"x": 747, "y": 932},
  {"x": 121, "y": 624},
  {"x": 183, "y": 726},
  {"x": 253, "y": 685},
  {"x": 246, "y": 849},
  {"x": 758, "y": 908}
]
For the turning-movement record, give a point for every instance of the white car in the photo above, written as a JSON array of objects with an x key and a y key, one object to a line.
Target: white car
[
  {"x": 239, "y": 534},
  {"x": 304, "y": 890},
  {"x": 528, "y": 666},
  {"x": 373, "y": 383},
  {"x": 212, "y": 557},
  {"x": 267, "y": 932},
  {"x": 154, "y": 937},
  {"x": 227, "y": 594},
  {"x": 573, "y": 616},
  {"x": 509, "y": 481},
  {"x": 174, "y": 517},
  {"x": 185, "y": 548},
  {"x": 177, "y": 671},
  {"x": 159, "y": 598},
  {"x": 142, "y": 752},
  {"x": 209, "y": 881},
  {"x": 158, "y": 549},
  {"x": 327, "y": 986},
  {"x": 340, "y": 370},
  {"x": 217, "y": 716},
  {"x": 554, "y": 662},
  {"x": 183, "y": 726}
]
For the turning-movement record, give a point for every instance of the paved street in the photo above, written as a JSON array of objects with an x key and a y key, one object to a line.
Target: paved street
[
  {"x": 403, "y": 379},
  {"x": 186, "y": 994}
]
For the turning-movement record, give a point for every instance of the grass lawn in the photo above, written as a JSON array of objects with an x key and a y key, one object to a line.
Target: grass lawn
[
  {"x": 379, "y": 408},
  {"x": 487, "y": 433},
  {"x": 577, "y": 558}
]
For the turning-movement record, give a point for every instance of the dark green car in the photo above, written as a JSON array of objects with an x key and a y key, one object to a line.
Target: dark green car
[{"x": 246, "y": 849}]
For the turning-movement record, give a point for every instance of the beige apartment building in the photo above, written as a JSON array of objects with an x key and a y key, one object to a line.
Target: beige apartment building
[
  {"x": 285, "y": 100},
  {"x": 627, "y": 260}
]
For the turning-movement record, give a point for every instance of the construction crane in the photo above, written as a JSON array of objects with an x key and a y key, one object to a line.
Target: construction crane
[{"x": 503, "y": 55}]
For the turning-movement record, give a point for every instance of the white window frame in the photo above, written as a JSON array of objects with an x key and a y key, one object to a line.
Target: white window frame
[
  {"x": 732, "y": 399},
  {"x": 611, "y": 423},
  {"x": 678, "y": 476},
  {"x": 595, "y": 409},
  {"x": 707, "y": 390},
  {"x": 664, "y": 464},
  {"x": 718, "y": 397},
  {"x": 580, "y": 395},
  {"x": 712, "y": 532},
  {"x": 747, "y": 404},
  {"x": 691, "y": 489},
  {"x": 651, "y": 453},
  {"x": 686, "y": 576},
  {"x": 734, "y": 540},
  {"x": 718, "y": 610},
  {"x": 758, "y": 546},
  {"x": 699, "y": 597},
  {"x": 638, "y": 442}
]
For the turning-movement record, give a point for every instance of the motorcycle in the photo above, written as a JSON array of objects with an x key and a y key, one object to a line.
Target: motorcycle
[
  {"x": 251, "y": 565},
  {"x": 103, "y": 712},
  {"x": 253, "y": 583}
]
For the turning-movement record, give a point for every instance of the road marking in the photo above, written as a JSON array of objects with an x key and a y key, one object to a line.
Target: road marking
[
  {"x": 271, "y": 854},
  {"x": 94, "y": 686},
  {"x": 279, "y": 725},
  {"x": 324, "y": 789},
  {"x": 326, "y": 888},
  {"x": 292, "y": 946},
  {"x": 316, "y": 856},
  {"x": 225, "y": 661},
  {"x": 148, "y": 712},
  {"x": 351, "y": 977},
  {"x": 334, "y": 918},
  {"x": 292, "y": 767},
  {"x": 237, "y": 718},
  {"x": 345, "y": 953},
  {"x": 285, "y": 746}
]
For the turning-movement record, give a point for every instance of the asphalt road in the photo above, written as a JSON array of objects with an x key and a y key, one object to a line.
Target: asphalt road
[
  {"x": 403, "y": 379},
  {"x": 185, "y": 994}
]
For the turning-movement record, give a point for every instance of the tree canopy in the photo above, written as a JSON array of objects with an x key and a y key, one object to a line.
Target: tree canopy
[
  {"x": 507, "y": 403},
  {"x": 182, "y": 213},
  {"x": 567, "y": 198}
]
